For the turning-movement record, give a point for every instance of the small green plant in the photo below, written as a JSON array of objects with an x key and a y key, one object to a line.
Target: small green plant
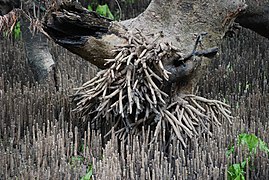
[
  {"x": 102, "y": 10},
  {"x": 237, "y": 171},
  {"x": 17, "y": 30},
  {"x": 88, "y": 175},
  {"x": 90, "y": 8},
  {"x": 76, "y": 161}
]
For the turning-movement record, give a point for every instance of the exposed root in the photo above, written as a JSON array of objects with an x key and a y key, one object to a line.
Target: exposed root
[
  {"x": 8, "y": 21},
  {"x": 131, "y": 91}
]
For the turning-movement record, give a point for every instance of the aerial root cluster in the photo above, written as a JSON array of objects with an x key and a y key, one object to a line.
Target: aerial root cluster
[
  {"x": 191, "y": 115},
  {"x": 8, "y": 21},
  {"x": 129, "y": 94}
]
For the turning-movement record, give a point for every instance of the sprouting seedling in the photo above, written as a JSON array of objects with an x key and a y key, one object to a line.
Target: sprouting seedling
[
  {"x": 88, "y": 175},
  {"x": 102, "y": 10},
  {"x": 17, "y": 30},
  {"x": 237, "y": 171},
  {"x": 252, "y": 142}
]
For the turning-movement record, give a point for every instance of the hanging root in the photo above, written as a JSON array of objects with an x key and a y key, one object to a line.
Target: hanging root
[
  {"x": 129, "y": 95},
  {"x": 8, "y": 21},
  {"x": 189, "y": 114}
]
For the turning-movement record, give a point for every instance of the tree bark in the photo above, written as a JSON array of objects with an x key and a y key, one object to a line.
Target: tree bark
[
  {"x": 256, "y": 17},
  {"x": 37, "y": 52},
  {"x": 84, "y": 33},
  {"x": 8, "y": 5},
  {"x": 179, "y": 22}
]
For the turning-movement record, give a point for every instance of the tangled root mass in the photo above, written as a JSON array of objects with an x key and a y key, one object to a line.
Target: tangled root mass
[{"x": 129, "y": 94}]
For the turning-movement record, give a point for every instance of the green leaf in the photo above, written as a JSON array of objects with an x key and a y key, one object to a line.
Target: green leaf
[
  {"x": 230, "y": 151},
  {"x": 236, "y": 171},
  {"x": 17, "y": 30},
  {"x": 76, "y": 160},
  {"x": 253, "y": 142},
  {"x": 104, "y": 10},
  {"x": 243, "y": 164},
  {"x": 240, "y": 178},
  {"x": 81, "y": 148},
  {"x": 250, "y": 140},
  {"x": 90, "y": 8},
  {"x": 88, "y": 174},
  {"x": 263, "y": 146}
]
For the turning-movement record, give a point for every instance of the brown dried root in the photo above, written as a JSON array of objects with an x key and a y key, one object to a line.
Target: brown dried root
[
  {"x": 131, "y": 92},
  {"x": 8, "y": 21}
]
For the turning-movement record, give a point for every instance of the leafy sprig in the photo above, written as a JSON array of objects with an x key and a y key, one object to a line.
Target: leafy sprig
[{"x": 252, "y": 142}]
